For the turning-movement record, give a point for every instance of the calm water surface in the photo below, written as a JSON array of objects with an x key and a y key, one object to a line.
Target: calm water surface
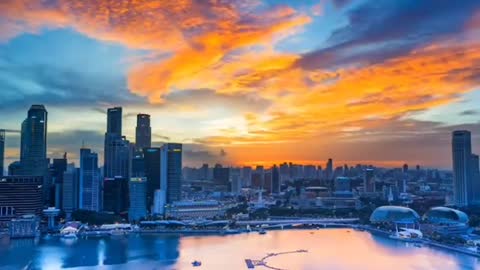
[{"x": 332, "y": 249}]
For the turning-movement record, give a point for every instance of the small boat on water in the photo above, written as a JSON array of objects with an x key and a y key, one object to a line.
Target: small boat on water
[
  {"x": 196, "y": 263},
  {"x": 117, "y": 233},
  {"x": 262, "y": 231},
  {"x": 70, "y": 235}
]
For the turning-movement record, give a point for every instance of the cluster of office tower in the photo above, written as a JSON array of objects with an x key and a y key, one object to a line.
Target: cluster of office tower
[{"x": 136, "y": 178}]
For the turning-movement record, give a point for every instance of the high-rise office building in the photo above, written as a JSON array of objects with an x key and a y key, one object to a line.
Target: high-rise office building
[
  {"x": 204, "y": 172},
  {"x": 236, "y": 181},
  {"x": 369, "y": 181},
  {"x": 2, "y": 152},
  {"x": 115, "y": 195},
  {"x": 475, "y": 171},
  {"x": 117, "y": 147},
  {"x": 114, "y": 121},
  {"x": 138, "y": 198},
  {"x": 33, "y": 146},
  {"x": 275, "y": 180},
  {"x": 221, "y": 175},
  {"x": 21, "y": 195},
  {"x": 138, "y": 166},
  {"x": 329, "y": 170},
  {"x": 461, "y": 157},
  {"x": 90, "y": 182},
  {"x": 143, "y": 132},
  {"x": 57, "y": 168},
  {"x": 171, "y": 171},
  {"x": 70, "y": 190},
  {"x": 152, "y": 172}
]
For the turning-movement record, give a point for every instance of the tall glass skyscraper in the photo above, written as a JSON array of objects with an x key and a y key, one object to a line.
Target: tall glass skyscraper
[
  {"x": 152, "y": 172},
  {"x": 475, "y": 179},
  {"x": 89, "y": 186},
  {"x": 117, "y": 147},
  {"x": 33, "y": 148},
  {"x": 143, "y": 132},
  {"x": 171, "y": 171},
  {"x": 2, "y": 152},
  {"x": 462, "y": 173}
]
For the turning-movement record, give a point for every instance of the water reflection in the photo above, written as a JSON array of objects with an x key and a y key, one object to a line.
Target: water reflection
[{"x": 328, "y": 249}]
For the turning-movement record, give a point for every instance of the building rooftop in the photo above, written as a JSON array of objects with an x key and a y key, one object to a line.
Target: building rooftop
[
  {"x": 394, "y": 214},
  {"x": 445, "y": 215}
]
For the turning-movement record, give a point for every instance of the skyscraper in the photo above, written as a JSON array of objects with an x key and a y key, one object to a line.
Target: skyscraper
[
  {"x": 89, "y": 186},
  {"x": 117, "y": 147},
  {"x": 33, "y": 148},
  {"x": 115, "y": 195},
  {"x": 275, "y": 180},
  {"x": 461, "y": 158},
  {"x": 58, "y": 167},
  {"x": 152, "y": 172},
  {"x": 2, "y": 152},
  {"x": 70, "y": 190},
  {"x": 475, "y": 172},
  {"x": 143, "y": 132},
  {"x": 138, "y": 202},
  {"x": 114, "y": 121},
  {"x": 171, "y": 171},
  {"x": 369, "y": 181},
  {"x": 329, "y": 169}
]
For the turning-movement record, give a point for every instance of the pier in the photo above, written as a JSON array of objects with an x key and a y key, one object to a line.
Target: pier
[{"x": 263, "y": 262}]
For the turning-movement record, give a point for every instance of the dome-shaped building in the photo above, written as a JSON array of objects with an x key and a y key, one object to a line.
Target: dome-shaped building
[
  {"x": 394, "y": 214},
  {"x": 445, "y": 215},
  {"x": 444, "y": 221}
]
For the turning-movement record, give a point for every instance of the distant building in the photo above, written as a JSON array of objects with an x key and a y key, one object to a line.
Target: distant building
[
  {"x": 462, "y": 173},
  {"x": 152, "y": 171},
  {"x": 138, "y": 166},
  {"x": 160, "y": 200},
  {"x": 221, "y": 175},
  {"x": 57, "y": 168},
  {"x": 143, "y": 132},
  {"x": 90, "y": 182},
  {"x": 138, "y": 199},
  {"x": 171, "y": 171},
  {"x": 475, "y": 171},
  {"x": 15, "y": 168},
  {"x": 246, "y": 176},
  {"x": 115, "y": 195},
  {"x": 23, "y": 194},
  {"x": 204, "y": 172},
  {"x": 33, "y": 146},
  {"x": 26, "y": 226},
  {"x": 275, "y": 180},
  {"x": 70, "y": 190},
  {"x": 368, "y": 180},
  {"x": 343, "y": 184},
  {"x": 195, "y": 210},
  {"x": 236, "y": 182},
  {"x": 2, "y": 152},
  {"x": 329, "y": 169},
  {"x": 117, "y": 147}
]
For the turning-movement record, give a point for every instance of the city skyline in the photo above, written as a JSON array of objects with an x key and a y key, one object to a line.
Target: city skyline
[{"x": 248, "y": 82}]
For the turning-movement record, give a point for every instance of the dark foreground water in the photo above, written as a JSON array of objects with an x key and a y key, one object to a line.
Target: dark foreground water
[{"x": 329, "y": 249}]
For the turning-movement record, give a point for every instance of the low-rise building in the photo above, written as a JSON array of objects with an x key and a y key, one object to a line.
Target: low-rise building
[{"x": 195, "y": 209}]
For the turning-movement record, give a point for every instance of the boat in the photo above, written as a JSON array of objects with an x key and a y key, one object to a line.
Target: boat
[
  {"x": 262, "y": 231},
  {"x": 117, "y": 233},
  {"x": 407, "y": 235},
  {"x": 196, "y": 263},
  {"x": 69, "y": 235}
]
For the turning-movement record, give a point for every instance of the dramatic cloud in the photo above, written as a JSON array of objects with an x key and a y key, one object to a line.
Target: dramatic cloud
[{"x": 248, "y": 78}]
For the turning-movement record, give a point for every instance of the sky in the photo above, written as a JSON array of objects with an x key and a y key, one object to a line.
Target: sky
[{"x": 245, "y": 82}]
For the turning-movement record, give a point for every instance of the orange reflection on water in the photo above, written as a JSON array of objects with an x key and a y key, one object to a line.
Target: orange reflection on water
[{"x": 336, "y": 249}]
